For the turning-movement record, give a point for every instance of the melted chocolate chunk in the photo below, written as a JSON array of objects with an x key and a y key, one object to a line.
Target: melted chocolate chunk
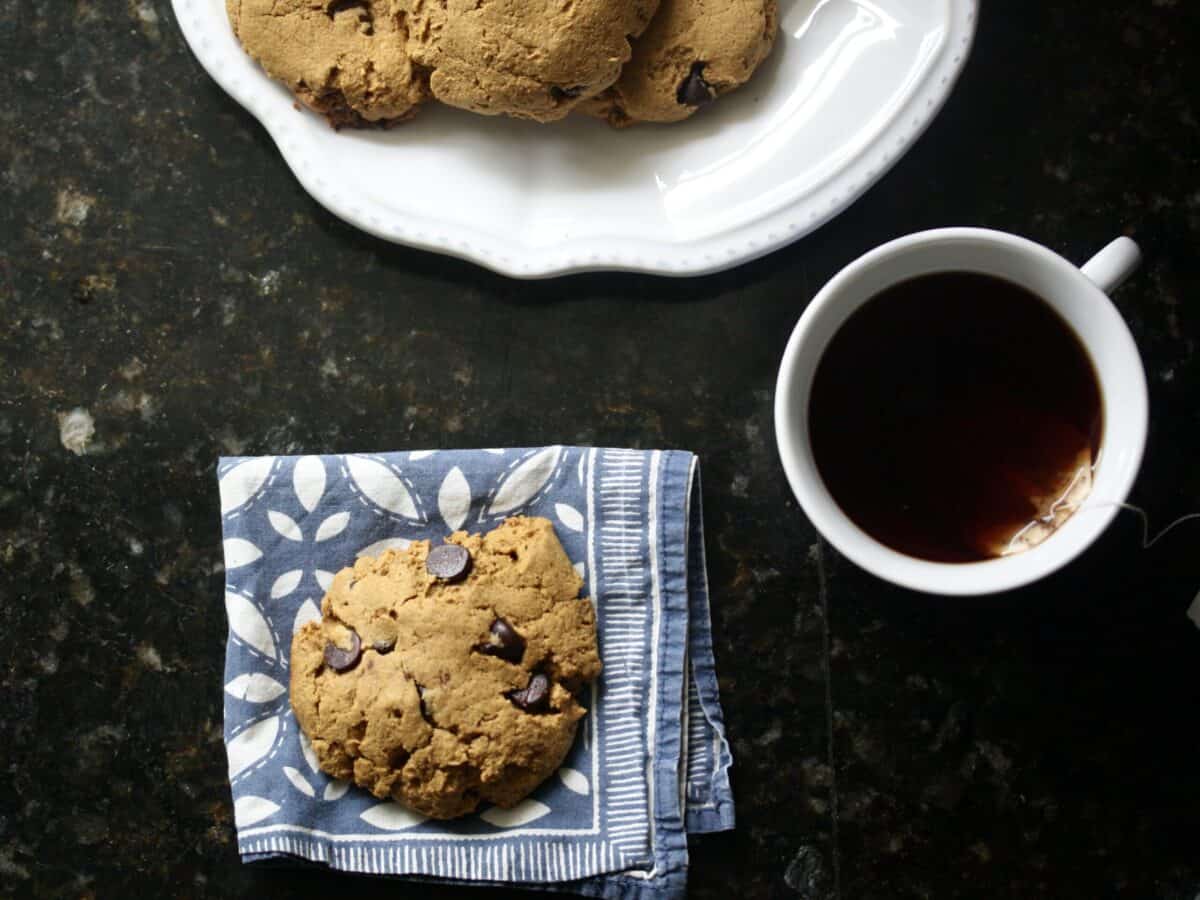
[
  {"x": 421, "y": 700},
  {"x": 449, "y": 562},
  {"x": 694, "y": 90},
  {"x": 359, "y": 7},
  {"x": 506, "y": 643},
  {"x": 534, "y": 697},
  {"x": 340, "y": 659},
  {"x": 383, "y": 646}
]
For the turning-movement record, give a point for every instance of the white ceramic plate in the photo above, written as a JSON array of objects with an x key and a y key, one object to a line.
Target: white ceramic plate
[{"x": 850, "y": 85}]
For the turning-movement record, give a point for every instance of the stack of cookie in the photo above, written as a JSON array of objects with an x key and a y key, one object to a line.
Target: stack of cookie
[{"x": 375, "y": 62}]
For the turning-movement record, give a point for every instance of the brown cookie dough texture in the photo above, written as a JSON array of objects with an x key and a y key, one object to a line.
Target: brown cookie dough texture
[
  {"x": 431, "y": 713},
  {"x": 693, "y": 52},
  {"x": 533, "y": 59},
  {"x": 345, "y": 59}
]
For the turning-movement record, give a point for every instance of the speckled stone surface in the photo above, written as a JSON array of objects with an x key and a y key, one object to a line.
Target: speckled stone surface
[{"x": 162, "y": 274}]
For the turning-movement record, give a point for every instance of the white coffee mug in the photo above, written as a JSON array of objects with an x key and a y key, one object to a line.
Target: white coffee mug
[{"x": 1079, "y": 297}]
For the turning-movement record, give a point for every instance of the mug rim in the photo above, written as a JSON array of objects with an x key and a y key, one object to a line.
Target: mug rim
[{"x": 985, "y": 576}]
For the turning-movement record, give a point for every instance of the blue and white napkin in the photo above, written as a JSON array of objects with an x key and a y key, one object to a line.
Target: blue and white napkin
[{"x": 650, "y": 763}]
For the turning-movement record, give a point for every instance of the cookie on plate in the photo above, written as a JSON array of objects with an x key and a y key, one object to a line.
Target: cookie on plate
[
  {"x": 533, "y": 59},
  {"x": 693, "y": 52},
  {"x": 447, "y": 676},
  {"x": 345, "y": 59}
]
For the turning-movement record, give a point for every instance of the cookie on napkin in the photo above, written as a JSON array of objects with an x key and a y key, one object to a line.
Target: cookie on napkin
[
  {"x": 445, "y": 676},
  {"x": 649, "y": 763}
]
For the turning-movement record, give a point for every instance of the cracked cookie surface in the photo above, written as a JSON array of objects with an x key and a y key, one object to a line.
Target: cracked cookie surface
[
  {"x": 440, "y": 693},
  {"x": 693, "y": 52},
  {"x": 345, "y": 59},
  {"x": 532, "y": 59}
]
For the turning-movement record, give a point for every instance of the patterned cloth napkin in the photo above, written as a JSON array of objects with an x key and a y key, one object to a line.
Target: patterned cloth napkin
[{"x": 650, "y": 762}]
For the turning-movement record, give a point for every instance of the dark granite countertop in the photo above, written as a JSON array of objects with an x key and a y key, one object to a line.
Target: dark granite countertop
[{"x": 161, "y": 270}]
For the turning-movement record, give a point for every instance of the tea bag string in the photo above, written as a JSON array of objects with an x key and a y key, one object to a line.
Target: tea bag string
[{"x": 1147, "y": 541}]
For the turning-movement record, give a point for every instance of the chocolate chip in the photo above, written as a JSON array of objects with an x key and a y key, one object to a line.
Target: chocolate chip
[
  {"x": 448, "y": 562},
  {"x": 694, "y": 90},
  {"x": 421, "y": 701},
  {"x": 535, "y": 696},
  {"x": 505, "y": 644},
  {"x": 337, "y": 7},
  {"x": 340, "y": 660},
  {"x": 360, "y": 9},
  {"x": 569, "y": 93},
  {"x": 383, "y": 645}
]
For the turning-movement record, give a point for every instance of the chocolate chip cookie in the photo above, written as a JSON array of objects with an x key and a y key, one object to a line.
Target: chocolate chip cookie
[
  {"x": 693, "y": 52},
  {"x": 345, "y": 59},
  {"x": 533, "y": 59},
  {"x": 446, "y": 676}
]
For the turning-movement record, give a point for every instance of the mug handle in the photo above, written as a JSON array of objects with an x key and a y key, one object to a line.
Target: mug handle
[{"x": 1112, "y": 265}]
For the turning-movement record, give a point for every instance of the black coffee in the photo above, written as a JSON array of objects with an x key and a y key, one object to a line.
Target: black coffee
[{"x": 948, "y": 409}]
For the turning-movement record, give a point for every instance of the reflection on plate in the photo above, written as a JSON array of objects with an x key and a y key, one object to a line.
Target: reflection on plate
[{"x": 848, "y": 88}]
